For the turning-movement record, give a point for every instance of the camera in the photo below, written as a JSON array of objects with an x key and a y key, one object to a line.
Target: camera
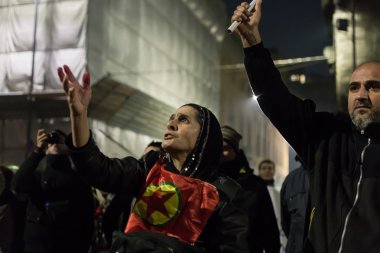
[{"x": 53, "y": 137}]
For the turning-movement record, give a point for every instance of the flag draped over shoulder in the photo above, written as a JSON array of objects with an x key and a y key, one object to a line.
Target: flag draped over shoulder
[{"x": 173, "y": 204}]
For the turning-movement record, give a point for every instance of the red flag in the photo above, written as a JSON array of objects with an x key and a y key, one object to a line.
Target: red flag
[{"x": 173, "y": 204}]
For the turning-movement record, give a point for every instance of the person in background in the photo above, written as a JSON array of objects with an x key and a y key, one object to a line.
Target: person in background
[
  {"x": 294, "y": 208},
  {"x": 60, "y": 209},
  {"x": 267, "y": 171},
  {"x": 153, "y": 146},
  {"x": 99, "y": 242},
  {"x": 182, "y": 204},
  {"x": 263, "y": 231},
  {"x": 12, "y": 215},
  {"x": 341, "y": 154}
]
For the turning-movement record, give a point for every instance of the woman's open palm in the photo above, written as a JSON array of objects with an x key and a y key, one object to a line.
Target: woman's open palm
[{"x": 78, "y": 96}]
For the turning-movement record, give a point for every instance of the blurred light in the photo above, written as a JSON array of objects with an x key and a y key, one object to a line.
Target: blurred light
[
  {"x": 281, "y": 63},
  {"x": 12, "y": 166},
  {"x": 329, "y": 53},
  {"x": 300, "y": 78}
]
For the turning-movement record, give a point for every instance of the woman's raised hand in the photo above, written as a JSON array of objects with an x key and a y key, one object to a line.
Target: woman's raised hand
[{"x": 78, "y": 96}]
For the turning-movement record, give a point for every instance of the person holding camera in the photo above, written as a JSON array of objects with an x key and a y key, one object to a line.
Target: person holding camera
[{"x": 60, "y": 208}]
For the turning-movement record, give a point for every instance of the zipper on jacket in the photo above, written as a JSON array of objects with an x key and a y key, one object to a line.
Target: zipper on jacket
[{"x": 356, "y": 196}]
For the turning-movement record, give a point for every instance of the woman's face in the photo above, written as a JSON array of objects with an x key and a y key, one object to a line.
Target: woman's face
[{"x": 182, "y": 131}]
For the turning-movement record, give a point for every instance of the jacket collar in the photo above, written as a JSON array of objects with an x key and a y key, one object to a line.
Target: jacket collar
[{"x": 373, "y": 131}]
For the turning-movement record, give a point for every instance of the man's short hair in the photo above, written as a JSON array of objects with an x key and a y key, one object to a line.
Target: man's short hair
[{"x": 267, "y": 161}]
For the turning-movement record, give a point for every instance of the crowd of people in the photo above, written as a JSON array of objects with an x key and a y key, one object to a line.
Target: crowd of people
[{"x": 194, "y": 191}]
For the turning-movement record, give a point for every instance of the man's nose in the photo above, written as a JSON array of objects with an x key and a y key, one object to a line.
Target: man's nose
[{"x": 362, "y": 93}]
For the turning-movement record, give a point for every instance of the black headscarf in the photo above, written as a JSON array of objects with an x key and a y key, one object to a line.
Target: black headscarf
[{"x": 203, "y": 161}]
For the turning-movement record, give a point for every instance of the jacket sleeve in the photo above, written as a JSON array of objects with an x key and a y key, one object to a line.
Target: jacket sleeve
[
  {"x": 26, "y": 179},
  {"x": 107, "y": 174},
  {"x": 285, "y": 216},
  {"x": 296, "y": 119},
  {"x": 227, "y": 231}
]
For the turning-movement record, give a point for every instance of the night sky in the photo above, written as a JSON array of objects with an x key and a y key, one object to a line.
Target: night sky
[{"x": 295, "y": 27}]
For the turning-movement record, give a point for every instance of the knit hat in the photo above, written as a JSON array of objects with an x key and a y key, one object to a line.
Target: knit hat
[{"x": 231, "y": 136}]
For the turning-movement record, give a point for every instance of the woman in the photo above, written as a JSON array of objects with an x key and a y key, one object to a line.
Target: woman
[{"x": 182, "y": 205}]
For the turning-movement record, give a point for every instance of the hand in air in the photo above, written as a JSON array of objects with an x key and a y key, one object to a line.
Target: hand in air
[
  {"x": 42, "y": 137},
  {"x": 78, "y": 96},
  {"x": 249, "y": 20}
]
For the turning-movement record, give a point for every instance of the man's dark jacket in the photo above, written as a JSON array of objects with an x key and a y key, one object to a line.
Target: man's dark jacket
[
  {"x": 60, "y": 209},
  {"x": 343, "y": 163},
  {"x": 294, "y": 208},
  {"x": 263, "y": 234}
]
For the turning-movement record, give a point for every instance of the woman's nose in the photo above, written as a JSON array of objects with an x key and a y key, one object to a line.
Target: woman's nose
[{"x": 172, "y": 125}]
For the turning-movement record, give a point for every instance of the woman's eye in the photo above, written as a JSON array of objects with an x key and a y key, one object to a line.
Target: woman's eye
[{"x": 183, "y": 119}]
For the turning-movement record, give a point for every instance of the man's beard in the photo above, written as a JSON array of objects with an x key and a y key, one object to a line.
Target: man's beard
[{"x": 361, "y": 122}]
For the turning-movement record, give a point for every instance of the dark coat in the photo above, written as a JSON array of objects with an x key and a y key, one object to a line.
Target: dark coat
[
  {"x": 60, "y": 210},
  {"x": 12, "y": 215},
  {"x": 294, "y": 208},
  {"x": 263, "y": 229},
  {"x": 343, "y": 163},
  {"x": 116, "y": 215},
  {"x": 226, "y": 229}
]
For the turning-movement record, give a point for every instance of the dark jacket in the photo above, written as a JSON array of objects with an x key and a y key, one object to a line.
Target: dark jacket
[
  {"x": 294, "y": 208},
  {"x": 263, "y": 229},
  {"x": 12, "y": 215},
  {"x": 343, "y": 167},
  {"x": 116, "y": 215},
  {"x": 226, "y": 230},
  {"x": 224, "y": 227},
  {"x": 60, "y": 210}
]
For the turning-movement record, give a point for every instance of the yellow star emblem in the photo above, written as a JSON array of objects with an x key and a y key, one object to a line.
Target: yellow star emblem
[{"x": 159, "y": 204}]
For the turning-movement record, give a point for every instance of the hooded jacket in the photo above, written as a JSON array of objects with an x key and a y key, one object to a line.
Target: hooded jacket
[
  {"x": 263, "y": 234},
  {"x": 60, "y": 209},
  {"x": 343, "y": 163},
  {"x": 225, "y": 230}
]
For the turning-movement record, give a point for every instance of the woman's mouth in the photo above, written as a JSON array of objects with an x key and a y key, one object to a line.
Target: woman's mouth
[{"x": 168, "y": 136}]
